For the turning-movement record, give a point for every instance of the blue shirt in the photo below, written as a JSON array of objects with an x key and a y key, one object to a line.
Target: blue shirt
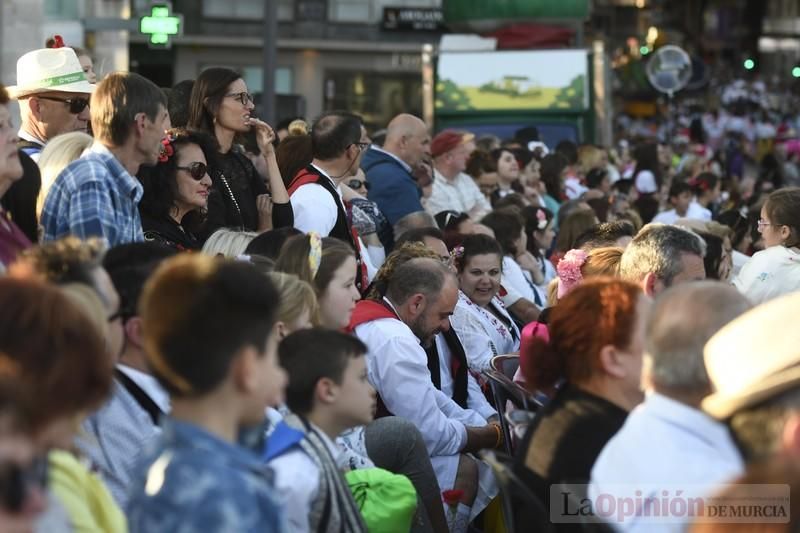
[
  {"x": 392, "y": 186},
  {"x": 193, "y": 481},
  {"x": 94, "y": 196}
]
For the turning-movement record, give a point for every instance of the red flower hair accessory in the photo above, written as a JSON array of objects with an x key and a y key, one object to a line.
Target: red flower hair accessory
[
  {"x": 166, "y": 149},
  {"x": 56, "y": 41},
  {"x": 569, "y": 271}
]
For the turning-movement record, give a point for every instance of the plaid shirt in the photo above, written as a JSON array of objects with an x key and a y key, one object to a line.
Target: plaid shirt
[{"x": 94, "y": 197}]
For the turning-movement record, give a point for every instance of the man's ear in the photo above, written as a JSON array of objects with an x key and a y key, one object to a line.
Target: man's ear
[
  {"x": 326, "y": 391},
  {"x": 34, "y": 104},
  {"x": 133, "y": 331},
  {"x": 651, "y": 285},
  {"x": 610, "y": 361},
  {"x": 140, "y": 123},
  {"x": 244, "y": 369},
  {"x": 416, "y": 304}
]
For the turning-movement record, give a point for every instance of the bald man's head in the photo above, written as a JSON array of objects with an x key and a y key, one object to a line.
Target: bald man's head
[{"x": 407, "y": 137}]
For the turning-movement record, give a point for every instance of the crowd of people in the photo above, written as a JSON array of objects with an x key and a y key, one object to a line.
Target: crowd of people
[{"x": 211, "y": 324}]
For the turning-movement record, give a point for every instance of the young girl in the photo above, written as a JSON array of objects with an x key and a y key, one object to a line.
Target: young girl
[
  {"x": 329, "y": 265},
  {"x": 775, "y": 270}
]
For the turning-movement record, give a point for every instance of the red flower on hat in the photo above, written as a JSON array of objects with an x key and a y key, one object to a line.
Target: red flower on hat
[{"x": 166, "y": 150}]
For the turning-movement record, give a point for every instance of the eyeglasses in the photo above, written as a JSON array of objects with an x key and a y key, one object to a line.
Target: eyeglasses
[
  {"x": 762, "y": 223},
  {"x": 243, "y": 97},
  {"x": 357, "y": 184},
  {"x": 362, "y": 146},
  {"x": 17, "y": 482},
  {"x": 76, "y": 105},
  {"x": 196, "y": 170}
]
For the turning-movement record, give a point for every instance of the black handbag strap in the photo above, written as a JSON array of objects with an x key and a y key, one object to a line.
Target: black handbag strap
[{"x": 141, "y": 397}]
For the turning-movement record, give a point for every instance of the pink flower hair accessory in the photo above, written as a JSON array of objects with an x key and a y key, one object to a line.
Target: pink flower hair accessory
[
  {"x": 541, "y": 218},
  {"x": 569, "y": 271}
]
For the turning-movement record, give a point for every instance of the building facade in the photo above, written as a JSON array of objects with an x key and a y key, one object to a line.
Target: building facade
[{"x": 331, "y": 54}]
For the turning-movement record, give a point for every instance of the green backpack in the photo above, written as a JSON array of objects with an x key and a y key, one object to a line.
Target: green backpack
[{"x": 387, "y": 501}]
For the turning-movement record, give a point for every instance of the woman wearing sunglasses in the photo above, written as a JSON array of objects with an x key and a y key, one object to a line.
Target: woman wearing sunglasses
[
  {"x": 176, "y": 190},
  {"x": 222, "y": 107}
]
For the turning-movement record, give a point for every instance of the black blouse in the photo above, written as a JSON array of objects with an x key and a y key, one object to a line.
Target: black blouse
[
  {"x": 232, "y": 202},
  {"x": 563, "y": 442},
  {"x": 164, "y": 230}
]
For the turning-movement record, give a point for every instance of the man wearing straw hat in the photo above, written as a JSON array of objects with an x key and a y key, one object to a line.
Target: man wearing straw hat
[
  {"x": 754, "y": 365},
  {"x": 53, "y": 95}
]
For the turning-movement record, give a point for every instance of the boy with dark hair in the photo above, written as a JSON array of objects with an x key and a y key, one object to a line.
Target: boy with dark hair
[
  {"x": 616, "y": 233},
  {"x": 680, "y": 196},
  {"x": 328, "y": 393},
  {"x": 209, "y": 338}
]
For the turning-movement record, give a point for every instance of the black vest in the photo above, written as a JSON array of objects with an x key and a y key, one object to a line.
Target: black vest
[
  {"x": 342, "y": 229},
  {"x": 461, "y": 376}
]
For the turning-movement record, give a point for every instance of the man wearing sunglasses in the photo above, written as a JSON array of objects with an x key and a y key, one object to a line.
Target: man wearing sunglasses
[{"x": 53, "y": 95}]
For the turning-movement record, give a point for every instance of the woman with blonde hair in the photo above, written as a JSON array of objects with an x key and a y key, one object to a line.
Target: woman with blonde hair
[
  {"x": 298, "y": 308},
  {"x": 228, "y": 243},
  {"x": 56, "y": 155},
  {"x": 578, "y": 265}
]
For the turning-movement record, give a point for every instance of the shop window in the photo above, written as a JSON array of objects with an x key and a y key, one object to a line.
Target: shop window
[{"x": 376, "y": 96}]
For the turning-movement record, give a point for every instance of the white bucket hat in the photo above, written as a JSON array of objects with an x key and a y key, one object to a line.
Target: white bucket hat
[
  {"x": 49, "y": 69},
  {"x": 754, "y": 358}
]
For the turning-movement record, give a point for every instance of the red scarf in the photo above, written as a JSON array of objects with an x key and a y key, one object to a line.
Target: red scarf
[{"x": 367, "y": 311}]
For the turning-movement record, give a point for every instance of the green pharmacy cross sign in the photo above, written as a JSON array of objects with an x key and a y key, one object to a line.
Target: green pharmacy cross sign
[{"x": 160, "y": 25}]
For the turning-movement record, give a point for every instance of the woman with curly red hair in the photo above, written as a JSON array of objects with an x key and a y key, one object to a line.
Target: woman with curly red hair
[{"x": 595, "y": 354}]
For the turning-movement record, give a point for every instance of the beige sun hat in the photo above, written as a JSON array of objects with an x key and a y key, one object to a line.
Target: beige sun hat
[
  {"x": 49, "y": 69},
  {"x": 753, "y": 358}
]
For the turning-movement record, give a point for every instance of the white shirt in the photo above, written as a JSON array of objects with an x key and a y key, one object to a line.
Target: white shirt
[
  {"x": 668, "y": 444},
  {"x": 695, "y": 212},
  {"x": 476, "y": 400},
  {"x": 25, "y": 136},
  {"x": 769, "y": 274},
  {"x": 573, "y": 188},
  {"x": 397, "y": 366},
  {"x": 515, "y": 282},
  {"x": 483, "y": 334},
  {"x": 314, "y": 209},
  {"x": 645, "y": 182},
  {"x": 739, "y": 260},
  {"x": 149, "y": 385},
  {"x": 297, "y": 481},
  {"x": 462, "y": 195}
]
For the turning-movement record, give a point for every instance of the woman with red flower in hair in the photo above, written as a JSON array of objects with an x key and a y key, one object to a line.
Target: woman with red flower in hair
[{"x": 176, "y": 190}]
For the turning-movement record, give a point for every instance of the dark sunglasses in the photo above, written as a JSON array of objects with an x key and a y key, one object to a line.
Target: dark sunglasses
[
  {"x": 76, "y": 105},
  {"x": 17, "y": 482},
  {"x": 196, "y": 170},
  {"x": 357, "y": 184},
  {"x": 243, "y": 97}
]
